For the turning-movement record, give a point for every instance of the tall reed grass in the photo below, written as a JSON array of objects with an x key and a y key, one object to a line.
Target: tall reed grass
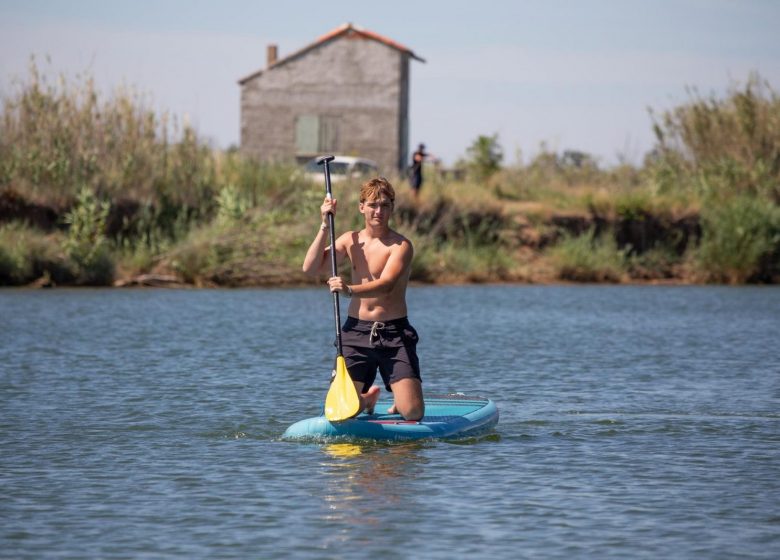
[
  {"x": 139, "y": 191},
  {"x": 722, "y": 146},
  {"x": 55, "y": 138},
  {"x": 727, "y": 152}
]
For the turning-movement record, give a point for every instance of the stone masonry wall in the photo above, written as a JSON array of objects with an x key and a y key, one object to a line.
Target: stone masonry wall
[{"x": 358, "y": 80}]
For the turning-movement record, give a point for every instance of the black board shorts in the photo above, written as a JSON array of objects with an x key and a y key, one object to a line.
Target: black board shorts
[{"x": 390, "y": 346}]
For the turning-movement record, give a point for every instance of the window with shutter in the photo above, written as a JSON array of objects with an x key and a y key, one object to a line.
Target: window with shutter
[{"x": 315, "y": 134}]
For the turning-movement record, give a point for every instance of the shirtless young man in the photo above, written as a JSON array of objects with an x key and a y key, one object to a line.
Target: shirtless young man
[{"x": 377, "y": 333}]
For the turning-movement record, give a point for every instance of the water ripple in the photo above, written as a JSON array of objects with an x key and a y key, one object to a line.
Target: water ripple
[{"x": 635, "y": 422}]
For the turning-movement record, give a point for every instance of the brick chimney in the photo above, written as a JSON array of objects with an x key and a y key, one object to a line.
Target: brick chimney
[{"x": 272, "y": 53}]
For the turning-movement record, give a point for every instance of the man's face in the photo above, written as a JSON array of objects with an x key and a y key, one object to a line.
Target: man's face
[{"x": 377, "y": 211}]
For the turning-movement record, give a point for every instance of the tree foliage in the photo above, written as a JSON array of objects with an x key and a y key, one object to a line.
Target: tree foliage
[{"x": 484, "y": 157}]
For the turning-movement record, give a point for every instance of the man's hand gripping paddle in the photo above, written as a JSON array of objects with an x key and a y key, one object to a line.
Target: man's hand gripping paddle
[{"x": 342, "y": 401}]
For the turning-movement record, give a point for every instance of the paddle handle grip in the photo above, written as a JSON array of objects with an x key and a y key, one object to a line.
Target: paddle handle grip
[{"x": 324, "y": 160}]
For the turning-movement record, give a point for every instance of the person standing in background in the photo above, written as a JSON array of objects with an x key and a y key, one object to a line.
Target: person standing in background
[{"x": 416, "y": 170}]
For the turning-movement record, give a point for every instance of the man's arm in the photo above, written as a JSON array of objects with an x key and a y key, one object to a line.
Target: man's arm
[
  {"x": 317, "y": 260},
  {"x": 397, "y": 267},
  {"x": 317, "y": 256}
]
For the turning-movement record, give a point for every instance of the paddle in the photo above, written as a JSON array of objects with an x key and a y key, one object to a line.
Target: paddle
[{"x": 342, "y": 401}]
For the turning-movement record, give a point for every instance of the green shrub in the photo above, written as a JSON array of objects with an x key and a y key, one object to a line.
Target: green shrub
[
  {"x": 231, "y": 205},
  {"x": 86, "y": 244},
  {"x": 484, "y": 157},
  {"x": 740, "y": 240},
  {"x": 655, "y": 264},
  {"x": 247, "y": 253},
  {"x": 448, "y": 262},
  {"x": 15, "y": 265},
  {"x": 27, "y": 255},
  {"x": 587, "y": 258}
]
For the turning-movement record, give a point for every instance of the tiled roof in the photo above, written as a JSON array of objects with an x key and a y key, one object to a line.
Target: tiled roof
[{"x": 346, "y": 29}]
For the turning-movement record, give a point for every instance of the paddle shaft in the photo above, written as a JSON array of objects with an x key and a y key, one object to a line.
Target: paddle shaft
[{"x": 333, "y": 266}]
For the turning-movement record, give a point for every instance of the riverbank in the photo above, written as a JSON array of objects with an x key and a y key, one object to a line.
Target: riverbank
[
  {"x": 460, "y": 235},
  {"x": 108, "y": 193}
]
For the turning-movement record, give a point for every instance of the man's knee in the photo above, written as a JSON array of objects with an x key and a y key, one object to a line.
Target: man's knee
[
  {"x": 413, "y": 412},
  {"x": 409, "y": 399}
]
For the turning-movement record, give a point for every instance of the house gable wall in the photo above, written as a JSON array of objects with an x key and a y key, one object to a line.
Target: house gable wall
[{"x": 357, "y": 82}]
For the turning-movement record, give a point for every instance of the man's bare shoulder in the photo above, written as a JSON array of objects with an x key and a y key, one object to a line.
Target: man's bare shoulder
[
  {"x": 348, "y": 237},
  {"x": 399, "y": 241}
]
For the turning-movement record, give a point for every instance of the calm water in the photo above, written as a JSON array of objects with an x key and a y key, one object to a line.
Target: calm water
[{"x": 636, "y": 422}]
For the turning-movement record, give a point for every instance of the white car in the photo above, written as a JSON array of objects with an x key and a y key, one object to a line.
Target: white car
[{"x": 342, "y": 168}]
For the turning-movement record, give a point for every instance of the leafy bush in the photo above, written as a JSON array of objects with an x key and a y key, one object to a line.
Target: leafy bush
[
  {"x": 588, "y": 258},
  {"x": 27, "y": 255},
  {"x": 231, "y": 205},
  {"x": 655, "y": 264},
  {"x": 15, "y": 262},
  {"x": 437, "y": 261},
  {"x": 86, "y": 244},
  {"x": 740, "y": 240},
  {"x": 484, "y": 157}
]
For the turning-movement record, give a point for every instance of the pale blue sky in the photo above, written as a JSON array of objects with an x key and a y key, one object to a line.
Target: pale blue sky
[{"x": 576, "y": 75}]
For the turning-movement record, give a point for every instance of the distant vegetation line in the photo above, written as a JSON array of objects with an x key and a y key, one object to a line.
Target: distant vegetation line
[{"x": 100, "y": 191}]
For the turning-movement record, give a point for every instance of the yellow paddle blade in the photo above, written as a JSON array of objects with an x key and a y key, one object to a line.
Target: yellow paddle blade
[
  {"x": 342, "y": 401},
  {"x": 343, "y": 450}
]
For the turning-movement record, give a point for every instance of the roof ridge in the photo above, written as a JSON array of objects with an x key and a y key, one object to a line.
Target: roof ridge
[{"x": 330, "y": 35}]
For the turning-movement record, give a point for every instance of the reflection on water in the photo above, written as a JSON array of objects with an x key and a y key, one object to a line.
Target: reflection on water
[
  {"x": 363, "y": 478},
  {"x": 342, "y": 450}
]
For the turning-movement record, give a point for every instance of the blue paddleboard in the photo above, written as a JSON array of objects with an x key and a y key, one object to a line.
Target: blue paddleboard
[{"x": 445, "y": 416}]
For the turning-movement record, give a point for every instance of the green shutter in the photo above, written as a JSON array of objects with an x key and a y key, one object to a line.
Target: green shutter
[
  {"x": 307, "y": 134},
  {"x": 329, "y": 134}
]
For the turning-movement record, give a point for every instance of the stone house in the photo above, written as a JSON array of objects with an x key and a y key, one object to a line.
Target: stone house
[{"x": 347, "y": 93}]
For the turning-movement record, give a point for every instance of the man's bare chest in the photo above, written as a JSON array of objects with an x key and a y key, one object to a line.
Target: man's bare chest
[{"x": 369, "y": 260}]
